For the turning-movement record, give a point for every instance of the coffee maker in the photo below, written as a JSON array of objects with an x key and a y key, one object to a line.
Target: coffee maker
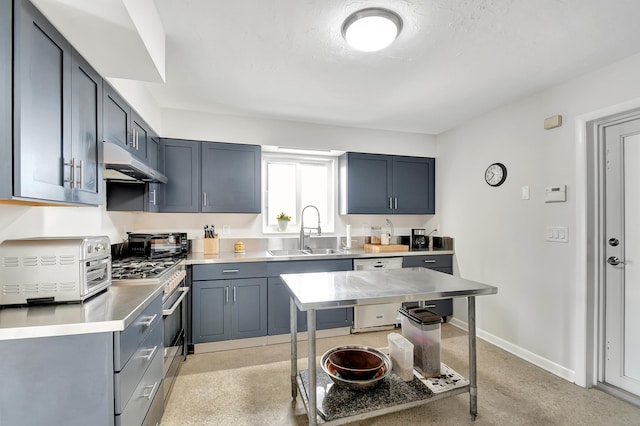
[{"x": 419, "y": 240}]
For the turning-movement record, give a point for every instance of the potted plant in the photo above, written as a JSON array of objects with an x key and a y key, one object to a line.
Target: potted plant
[{"x": 283, "y": 221}]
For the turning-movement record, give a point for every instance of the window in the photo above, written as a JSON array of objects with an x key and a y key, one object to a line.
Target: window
[{"x": 295, "y": 181}]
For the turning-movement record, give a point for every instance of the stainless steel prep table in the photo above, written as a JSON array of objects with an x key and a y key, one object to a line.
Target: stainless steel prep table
[{"x": 325, "y": 290}]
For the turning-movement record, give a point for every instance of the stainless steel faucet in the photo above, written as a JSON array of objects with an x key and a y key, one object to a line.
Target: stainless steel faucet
[{"x": 302, "y": 227}]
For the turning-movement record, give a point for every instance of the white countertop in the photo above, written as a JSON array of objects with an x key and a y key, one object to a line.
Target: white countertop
[{"x": 112, "y": 310}]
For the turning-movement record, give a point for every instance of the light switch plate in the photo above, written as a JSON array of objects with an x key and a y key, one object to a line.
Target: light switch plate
[
  {"x": 524, "y": 192},
  {"x": 557, "y": 234}
]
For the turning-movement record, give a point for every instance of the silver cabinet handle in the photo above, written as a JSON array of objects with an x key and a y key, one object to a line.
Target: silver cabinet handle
[
  {"x": 429, "y": 261},
  {"x": 81, "y": 180},
  {"x": 72, "y": 172},
  {"x": 390, "y": 203},
  {"x": 151, "y": 353},
  {"x": 204, "y": 199},
  {"x": 613, "y": 260},
  {"x": 234, "y": 294},
  {"x": 148, "y": 395},
  {"x": 154, "y": 197},
  {"x": 226, "y": 294},
  {"x": 430, "y": 306},
  {"x": 230, "y": 271},
  {"x": 395, "y": 201},
  {"x": 149, "y": 321}
]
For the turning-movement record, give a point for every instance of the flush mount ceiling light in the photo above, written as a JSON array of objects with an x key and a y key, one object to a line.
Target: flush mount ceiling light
[{"x": 371, "y": 29}]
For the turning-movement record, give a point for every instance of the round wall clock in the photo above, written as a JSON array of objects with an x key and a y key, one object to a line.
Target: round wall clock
[{"x": 496, "y": 174}]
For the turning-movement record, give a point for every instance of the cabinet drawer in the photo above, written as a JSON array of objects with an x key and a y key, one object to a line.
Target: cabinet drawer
[
  {"x": 274, "y": 269},
  {"x": 126, "y": 380},
  {"x": 428, "y": 261},
  {"x": 229, "y": 271},
  {"x": 147, "y": 389},
  {"x": 126, "y": 342}
]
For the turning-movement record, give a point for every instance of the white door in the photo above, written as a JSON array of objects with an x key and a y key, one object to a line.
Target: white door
[{"x": 622, "y": 256}]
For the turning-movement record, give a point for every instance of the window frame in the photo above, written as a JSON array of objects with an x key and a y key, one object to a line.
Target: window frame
[{"x": 329, "y": 161}]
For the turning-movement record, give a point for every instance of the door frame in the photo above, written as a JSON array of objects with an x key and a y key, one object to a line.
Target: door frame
[{"x": 589, "y": 229}]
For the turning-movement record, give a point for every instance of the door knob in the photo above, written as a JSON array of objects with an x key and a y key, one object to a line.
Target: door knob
[
  {"x": 613, "y": 242},
  {"x": 613, "y": 260}
]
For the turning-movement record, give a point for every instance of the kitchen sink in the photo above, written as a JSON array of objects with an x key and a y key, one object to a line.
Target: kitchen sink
[
  {"x": 323, "y": 251},
  {"x": 287, "y": 252},
  {"x": 295, "y": 252}
]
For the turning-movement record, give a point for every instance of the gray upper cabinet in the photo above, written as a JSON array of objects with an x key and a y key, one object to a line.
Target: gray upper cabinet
[
  {"x": 86, "y": 131},
  {"x": 117, "y": 118},
  {"x": 54, "y": 153},
  {"x": 210, "y": 177},
  {"x": 386, "y": 184},
  {"x": 231, "y": 178},
  {"x": 180, "y": 163}
]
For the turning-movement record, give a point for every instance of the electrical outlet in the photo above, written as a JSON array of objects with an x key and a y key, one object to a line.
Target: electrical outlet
[{"x": 226, "y": 229}]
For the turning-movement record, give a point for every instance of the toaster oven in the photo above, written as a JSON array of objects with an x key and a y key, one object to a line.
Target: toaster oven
[{"x": 52, "y": 270}]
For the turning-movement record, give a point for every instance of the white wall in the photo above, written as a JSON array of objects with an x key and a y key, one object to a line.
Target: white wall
[{"x": 500, "y": 239}]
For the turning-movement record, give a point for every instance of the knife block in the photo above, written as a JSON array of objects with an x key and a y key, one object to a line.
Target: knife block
[{"x": 212, "y": 245}]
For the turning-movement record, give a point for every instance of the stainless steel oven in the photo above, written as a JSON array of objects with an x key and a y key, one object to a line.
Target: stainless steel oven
[{"x": 174, "y": 316}]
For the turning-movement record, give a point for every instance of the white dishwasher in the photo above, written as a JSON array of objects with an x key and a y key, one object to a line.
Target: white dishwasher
[{"x": 376, "y": 317}]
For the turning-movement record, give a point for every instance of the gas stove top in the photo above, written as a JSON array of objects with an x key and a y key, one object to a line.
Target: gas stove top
[{"x": 135, "y": 268}]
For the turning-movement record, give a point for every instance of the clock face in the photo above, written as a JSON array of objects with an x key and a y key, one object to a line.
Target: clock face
[{"x": 496, "y": 174}]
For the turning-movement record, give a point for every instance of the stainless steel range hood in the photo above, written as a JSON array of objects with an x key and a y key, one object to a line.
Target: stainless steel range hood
[{"x": 120, "y": 164}]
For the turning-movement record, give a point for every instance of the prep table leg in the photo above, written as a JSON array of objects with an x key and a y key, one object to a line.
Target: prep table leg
[
  {"x": 473, "y": 385},
  {"x": 311, "y": 330},
  {"x": 293, "y": 320}
]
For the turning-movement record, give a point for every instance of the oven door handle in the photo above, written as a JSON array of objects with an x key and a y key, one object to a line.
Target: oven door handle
[{"x": 167, "y": 312}]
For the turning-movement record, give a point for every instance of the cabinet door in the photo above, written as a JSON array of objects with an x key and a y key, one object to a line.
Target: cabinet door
[
  {"x": 278, "y": 309},
  {"x": 211, "y": 304},
  {"x": 365, "y": 183},
  {"x": 249, "y": 308},
  {"x": 6, "y": 99},
  {"x": 413, "y": 185},
  {"x": 42, "y": 108},
  {"x": 86, "y": 131},
  {"x": 231, "y": 176},
  {"x": 139, "y": 136},
  {"x": 180, "y": 162},
  {"x": 154, "y": 193},
  {"x": 117, "y": 118}
]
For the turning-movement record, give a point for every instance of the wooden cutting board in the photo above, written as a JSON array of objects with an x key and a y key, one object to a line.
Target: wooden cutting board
[{"x": 379, "y": 248}]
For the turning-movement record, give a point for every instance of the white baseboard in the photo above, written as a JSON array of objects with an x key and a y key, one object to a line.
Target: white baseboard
[{"x": 520, "y": 352}]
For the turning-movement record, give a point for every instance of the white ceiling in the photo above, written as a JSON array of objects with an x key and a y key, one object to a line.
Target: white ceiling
[{"x": 454, "y": 60}]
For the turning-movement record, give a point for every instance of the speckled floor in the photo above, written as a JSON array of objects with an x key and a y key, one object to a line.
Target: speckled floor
[{"x": 252, "y": 387}]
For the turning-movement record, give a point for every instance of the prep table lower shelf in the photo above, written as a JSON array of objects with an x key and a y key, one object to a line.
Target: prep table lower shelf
[{"x": 336, "y": 405}]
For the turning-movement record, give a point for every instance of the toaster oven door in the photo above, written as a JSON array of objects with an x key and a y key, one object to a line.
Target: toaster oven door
[{"x": 97, "y": 275}]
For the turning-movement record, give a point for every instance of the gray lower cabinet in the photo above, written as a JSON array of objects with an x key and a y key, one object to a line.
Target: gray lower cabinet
[
  {"x": 86, "y": 379},
  {"x": 138, "y": 367},
  {"x": 442, "y": 263},
  {"x": 229, "y": 301},
  {"x": 65, "y": 380},
  {"x": 278, "y": 297}
]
